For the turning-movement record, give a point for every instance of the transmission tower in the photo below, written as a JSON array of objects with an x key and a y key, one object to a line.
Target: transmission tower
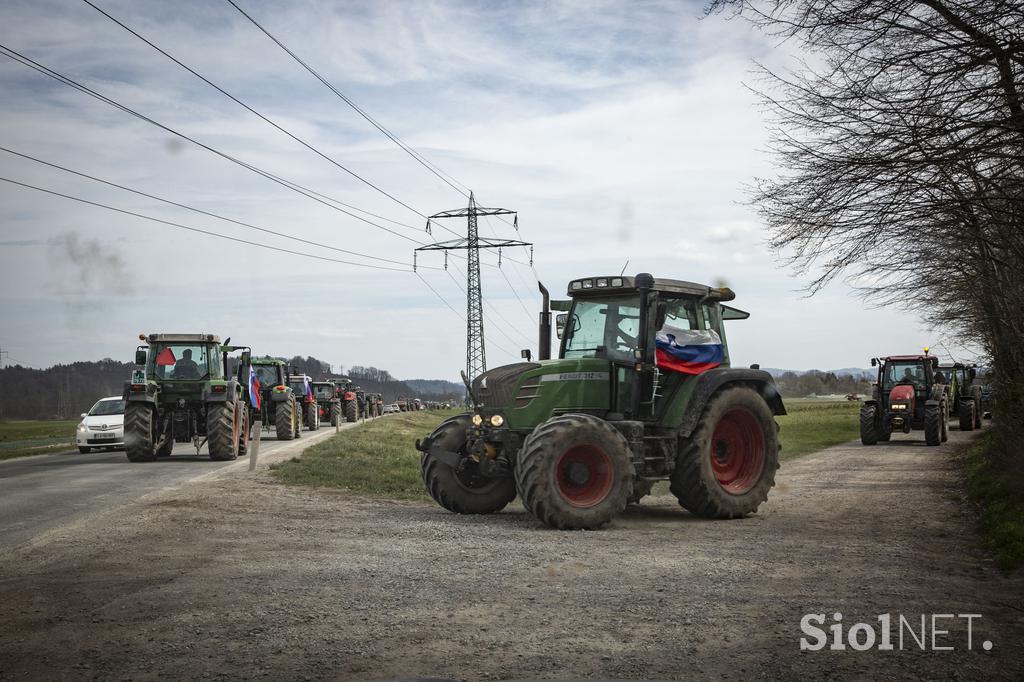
[{"x": 476, "y": 358}]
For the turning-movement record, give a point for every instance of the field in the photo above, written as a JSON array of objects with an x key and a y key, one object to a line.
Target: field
[
  {"x": 23, "y": 438},
  {"x": 379, "y": 458}
]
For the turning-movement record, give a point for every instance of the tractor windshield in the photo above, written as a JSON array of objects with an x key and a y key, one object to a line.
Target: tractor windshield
[
  {"x": 323, "y": 391},
  {"x": 268, "y": 375},
  {"x": 184, "y": 361},
  {"x": 904, "y": 372},
  {"x": 606, "y": 328}
]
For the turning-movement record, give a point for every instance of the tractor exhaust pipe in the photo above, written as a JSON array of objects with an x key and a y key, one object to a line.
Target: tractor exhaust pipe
[
  {"x": 644, "y": 283},
  {"x": 544, "y": 342}
]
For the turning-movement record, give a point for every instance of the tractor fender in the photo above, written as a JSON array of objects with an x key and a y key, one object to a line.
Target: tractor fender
[
  {"x": 710, "y": 382},
  {"x": 870, "y": 402},
  {"x": 227, "y": 396}
]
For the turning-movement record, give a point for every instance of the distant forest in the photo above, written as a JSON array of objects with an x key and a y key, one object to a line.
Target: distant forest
[
  {"x": 815, "y": 383},
  {"x": 65, "y": 391}
]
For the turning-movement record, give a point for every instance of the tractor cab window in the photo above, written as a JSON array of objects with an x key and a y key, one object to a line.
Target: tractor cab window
[
  {"x": 606, "y": 328},
  {"x": 906, "y": 373},
  {"x": 184, "y": 362},
  {"x": 267, "y": 375},
  {"x": 680, "y": 313},
  {"x": 323, "y": 391}
]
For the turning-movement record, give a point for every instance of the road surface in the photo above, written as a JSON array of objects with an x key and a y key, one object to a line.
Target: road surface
[
  {"x": 241, "y": 577},
  {"x": 45, "y": 491}
]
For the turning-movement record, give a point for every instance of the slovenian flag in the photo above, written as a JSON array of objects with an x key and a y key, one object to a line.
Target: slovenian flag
[
  {"x": 254, "y": 389},
  {"x": 690, "y": 351},
  {"x": 309, "y": 389}
]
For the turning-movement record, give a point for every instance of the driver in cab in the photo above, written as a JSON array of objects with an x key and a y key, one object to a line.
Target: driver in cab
[{"x": 186, "y": 368}]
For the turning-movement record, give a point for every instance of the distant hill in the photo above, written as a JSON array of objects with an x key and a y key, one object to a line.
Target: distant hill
[
  {"x": 858, "y": 372},
  {"x": 435, "y": 386}
]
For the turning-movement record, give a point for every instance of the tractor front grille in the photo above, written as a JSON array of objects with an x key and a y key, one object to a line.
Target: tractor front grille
[{"x": 494, "y": 387}]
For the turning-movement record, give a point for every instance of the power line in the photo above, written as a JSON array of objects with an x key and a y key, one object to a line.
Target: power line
[
  {"x": 294, "y": 186},
  {"x": 196, "y": 229},
  {"x": 250, "y": 109},
  {"x": 486, "y": 303},
  {"x": 203, "y": 212},
  {"x": 448, "y": 179},
  {"x": 515, "y": 293}
]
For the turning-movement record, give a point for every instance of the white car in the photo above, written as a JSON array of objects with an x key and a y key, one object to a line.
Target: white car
[
  {"x": 391, "y": 409},
  {"x": 102, "y": 426}
]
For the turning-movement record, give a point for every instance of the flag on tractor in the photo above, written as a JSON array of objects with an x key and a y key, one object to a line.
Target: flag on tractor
[
  {"x": 690, "y": 351},
  {"x": 254, "y": 389},
  {"x": 309, "y": 389}
]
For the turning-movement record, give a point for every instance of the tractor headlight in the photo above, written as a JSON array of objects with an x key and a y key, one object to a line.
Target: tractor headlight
[
  {"x": 898, "y": 406},
  {"x": 477, "y": 420},
  {"x": 497, "y": 420}
]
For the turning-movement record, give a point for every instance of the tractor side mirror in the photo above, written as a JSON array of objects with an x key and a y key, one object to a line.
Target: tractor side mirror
[
  {"x": 874, "y": 362},
  {"x": 560, "y": 320},
  {"x": 525, "y": 354},
  {"x": 972, "y": 373},
  {"x": 140, "y": 357}
]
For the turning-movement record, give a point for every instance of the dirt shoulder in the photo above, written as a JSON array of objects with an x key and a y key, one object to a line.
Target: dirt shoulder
[{"x": 238, "y": 576}]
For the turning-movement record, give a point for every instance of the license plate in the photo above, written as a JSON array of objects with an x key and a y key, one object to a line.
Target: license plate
[{"x": 101, "y": 436}]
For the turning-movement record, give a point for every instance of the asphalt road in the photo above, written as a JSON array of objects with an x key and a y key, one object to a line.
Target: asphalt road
[{"x": 46, "y": 491}]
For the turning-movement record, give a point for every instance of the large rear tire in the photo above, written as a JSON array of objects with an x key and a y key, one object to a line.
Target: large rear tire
[
  {"x": 335, "y": 413},
  {"x": 945, "y": 422},
  {"x": 932, "y": 424},
  {"x": 574, "y": 471},
  {"x": 297, "y": 418},
  {"x": 726, "y": 467},
  {"x": 966, "y": 415},
  {"x": 138, "y": 432},
  {"x": 869, "y": 427},
  {"x": 351, "y": 411},
  {"x": 283, "y": 420},
  {"x": 462, "y": 492},
  {"x": 246, "y": 432},
  {"x": 312, "y": 417},
  {"x": 222, "y": 430}
]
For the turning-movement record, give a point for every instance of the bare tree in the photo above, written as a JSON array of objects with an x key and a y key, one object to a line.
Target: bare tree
[{"x": 900, "y": 149}]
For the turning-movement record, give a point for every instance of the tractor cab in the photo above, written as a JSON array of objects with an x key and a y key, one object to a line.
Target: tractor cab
[{"x": 324, "y": 391}]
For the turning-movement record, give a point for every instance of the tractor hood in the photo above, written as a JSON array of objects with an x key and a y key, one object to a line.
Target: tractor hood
[
  {"x": 527, "y": 393},
  {"x": 902, "y": 393}
]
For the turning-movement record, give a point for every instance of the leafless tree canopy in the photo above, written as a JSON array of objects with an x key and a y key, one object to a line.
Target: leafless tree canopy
[{"x": 900, "y": 149}]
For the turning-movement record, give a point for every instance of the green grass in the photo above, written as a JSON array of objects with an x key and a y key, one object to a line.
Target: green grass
[
  {"x": 1000, "y": 499},
  {"x": 812, "y": 425},
  {"x": 24, "y": 438},
  {"x": 377, "y": 457}
]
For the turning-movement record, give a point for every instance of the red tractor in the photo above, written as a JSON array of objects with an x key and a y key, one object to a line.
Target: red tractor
[{"x": 911, "y": 393}]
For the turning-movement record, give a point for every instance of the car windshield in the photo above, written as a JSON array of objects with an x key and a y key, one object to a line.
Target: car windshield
[
  {"x": 908, "y": 372},
  {"x": 323, "y": 390},
  {"x": 267, "y": 375},
  {"x": 107, "y": 406},
  {"x": 606, "y": 327},
  {"x": 184, "y": 361}
]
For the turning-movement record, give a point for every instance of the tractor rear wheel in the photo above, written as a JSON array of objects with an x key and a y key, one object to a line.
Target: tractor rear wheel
[
  {"x": 222, "y": 430},
  {"x": 966, "y": 415},
  {"x": 298, "y": 419},
  {"x": 869, "y": 427},
  {"x": 138, "y": 432},
  {"x": 574, "y": 471},
  {"x": 462, "y": 492},
  {"x": 283, "y": 419},
  {"x": 932, "y": 424},
  {"x": 726, "y": 467},
  {"x": 350, "y": 411},
  {"x": 335, "y": 413},
  {"x": 244, "y": 434},
  {"x": 976, "y": 401}
]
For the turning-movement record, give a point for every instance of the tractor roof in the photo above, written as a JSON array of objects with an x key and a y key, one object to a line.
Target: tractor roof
[
  {"x": 593, "y": 285},
  {"x": 266, "y": 361},
  {"x": 929, "y": 358},
  {"x": 183, "y": 338}
]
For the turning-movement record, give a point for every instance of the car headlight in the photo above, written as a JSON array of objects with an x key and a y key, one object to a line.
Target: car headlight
[
  {"x": 497, "y": 420},
  {"x": 477, "y": 420},
  {"x": 82, "y": 428}
]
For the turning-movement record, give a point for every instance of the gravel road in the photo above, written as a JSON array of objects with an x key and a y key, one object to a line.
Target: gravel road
[{"x": 237, "y": 576}]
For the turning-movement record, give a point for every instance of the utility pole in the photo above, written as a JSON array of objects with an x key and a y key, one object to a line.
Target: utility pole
[{"x": 476, "y": 358}]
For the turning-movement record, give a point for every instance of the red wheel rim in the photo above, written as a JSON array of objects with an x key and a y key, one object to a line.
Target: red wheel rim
[
  {"x": 737, "y": 451},
  {"x": 584, "y": 475}
]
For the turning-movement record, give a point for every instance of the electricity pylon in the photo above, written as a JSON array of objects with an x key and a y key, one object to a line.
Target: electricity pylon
[{"x": 476, "y": 358}]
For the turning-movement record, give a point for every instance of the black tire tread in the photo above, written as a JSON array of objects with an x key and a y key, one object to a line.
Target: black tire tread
[
  {"x": 443, "y": 485},
  {"x": 138, "y": 432},
  {"x": 869, "y": 424},
  {"x": 283, "y": 420},
  {"x": 932, "y": 424},
  {"x": 220, "y": 431}
]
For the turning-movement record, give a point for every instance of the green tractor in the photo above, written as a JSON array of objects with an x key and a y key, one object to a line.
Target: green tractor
[
  {"x": 328, "y": 402},
  {"x": 305, "y": 401},
  {"x": 641, "y": 391},
  {"x": 182, "y": 393},
  {"x": 277, "y": 399},
  {"x": 965, "y": 395}
]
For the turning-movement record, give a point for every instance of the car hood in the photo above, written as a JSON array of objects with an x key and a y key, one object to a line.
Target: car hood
[{"x": 110, "y": 420}]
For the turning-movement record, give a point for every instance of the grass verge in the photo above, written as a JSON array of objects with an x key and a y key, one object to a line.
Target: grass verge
[
  {"x": 379, "y": 458},
  {"x": 1000, "y": 500},
  {"x": 376, "y": 458},
  {"x": 25, "y": 438}
]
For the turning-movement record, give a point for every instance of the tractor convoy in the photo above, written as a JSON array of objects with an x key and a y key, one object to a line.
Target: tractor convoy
[{"x": 642, "y": 390}]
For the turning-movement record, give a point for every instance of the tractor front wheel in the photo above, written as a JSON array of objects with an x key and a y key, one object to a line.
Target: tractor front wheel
[
  {"x": 869, "y": 426},
  {"x": 283, "y": 420},
  {"x": 222, "y": 430},
  {"x": 463, "y": 492},
  {"x": 966, "y": 415},
  {"x": 138, "y": 432},
  {"x": 297, "y": 421},
  {"x": 246, "y": 433},
  {"x": 933, "y": 424},
  {"x": 350, "y": 411},
  {"x": 335, "y": 413},
  {"x": 726, "y": 467},
  {"x": 574, "y": 471}
]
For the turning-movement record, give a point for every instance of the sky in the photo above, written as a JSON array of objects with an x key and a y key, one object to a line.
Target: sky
[{"x": 623, "y": 134}]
